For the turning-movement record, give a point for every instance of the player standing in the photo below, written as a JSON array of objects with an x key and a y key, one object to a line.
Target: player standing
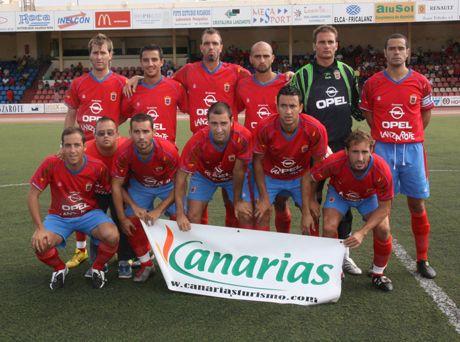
[
  {"x": 257, "y": 96},
  {"x": 73, "y": 180},
  {"x": 156, "y": 95},
  {"x": 149, "y": 164},
  {"x": 286, "y": 144},
  {"x": 106, "y": 143},
  {"x": 215, "y": 156},
  {"x": 397, "y": 103},
  {"x": 90, "y": 97},
  {"x": 359, "y": 179},
  {"x": 330, "y": 94}
]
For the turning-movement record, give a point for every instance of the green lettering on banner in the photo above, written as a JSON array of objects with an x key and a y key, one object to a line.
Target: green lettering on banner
[
  {"x": 217, "y": 258},
  {"x": 321, "y": 271},
  {"x": 200, "y": 263},
  {"x": 248, "y": 269},
  {"x": 264, "y": 267},
  {"x": 284, "y": 263},
  {"x": 304, "y": 275}
]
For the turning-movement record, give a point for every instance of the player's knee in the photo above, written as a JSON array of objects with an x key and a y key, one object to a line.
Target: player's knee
[
  {"x": 110, "y": 234},
  {"x": 383, "y": 230},
  {"x": 329, "y": 231},
  {"x": 416, "y": 205},
  {"x": 194, "y": 216}
]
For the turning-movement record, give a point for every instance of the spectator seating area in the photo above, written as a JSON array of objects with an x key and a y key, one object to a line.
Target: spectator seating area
[{"x": 17, "y": 76}]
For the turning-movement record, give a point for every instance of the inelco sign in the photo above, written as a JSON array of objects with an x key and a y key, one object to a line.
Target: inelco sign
[{"x": 120, "y": 19}]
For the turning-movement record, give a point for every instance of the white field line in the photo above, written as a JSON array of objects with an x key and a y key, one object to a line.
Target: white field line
[{"x": 441, "y": 299}]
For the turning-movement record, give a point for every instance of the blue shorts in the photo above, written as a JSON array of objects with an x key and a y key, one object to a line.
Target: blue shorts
[
  {"x": 408, "y": 168},
  {"x": 144, "y": 197},
  {"x": 66, "y": 226},
  {"x": 337, "y": 202},
  {"x": 283, "y": 187},
  {"x": 202, "y": 188}
]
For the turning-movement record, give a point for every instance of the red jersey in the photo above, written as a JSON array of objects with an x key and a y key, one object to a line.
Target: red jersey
[
  {"x": 396, "y": 107},
  {"x": 93, "y": 99},
  {"x": 376, "y": 179},
  {"x": 91, "y": 150},
  {"x": 289, "y": 157},
  {"x": 160, "y": 101},
  {"x": 258, "y": 99},
  {"x": 205, "y": 88},
  {"x": 201, "y": 154},
  {"x": 158, "y": 170},
  {"x": 72, "y": 192}
]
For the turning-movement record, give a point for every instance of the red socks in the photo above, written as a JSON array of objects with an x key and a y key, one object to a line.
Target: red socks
[
  {"x": 421, "y": 231},
  {"x": 51, "y": 258},
  {"x": 382, "y": 251},
  {"x": 283, "y": 220},
  {"x": 138, "y": 241},
  {"x": 104, "y": 254}
]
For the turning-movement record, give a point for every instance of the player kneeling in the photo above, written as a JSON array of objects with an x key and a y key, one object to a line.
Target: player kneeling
[
  {"x": 360, "y": 179},
  {"x": 72, "y": 180}
]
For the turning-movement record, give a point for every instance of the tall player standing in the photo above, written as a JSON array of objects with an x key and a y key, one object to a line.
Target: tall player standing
[
  {"x": 397, "y": 103},
  {"x": 257, "y": 96},
  {"x": 90, "y": 97}
]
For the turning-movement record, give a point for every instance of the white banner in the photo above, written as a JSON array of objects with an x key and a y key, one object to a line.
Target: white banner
[
  {"x": 272, "y": 16},
  {"x": 74, "y": 20},
  {"x": 247, "y": 264},
  {"x": 446, "y": 101},
  {"x": 34, "y": 21},
  {"x": 353, "y": 13},
  {"x": 233, "y": 16},
  {"x": 55, "y": 108},
  {"x": 436, "y": 10},
  {"x": 190, "y": 17},
  {"x": 7, "y": 21},
  {"x": 313, "y": 14},
  {"x": 151, "y": 18},
  {"x": 22, "y": 108}
]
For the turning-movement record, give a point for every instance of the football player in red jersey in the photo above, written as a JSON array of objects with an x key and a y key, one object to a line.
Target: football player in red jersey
[
  {"x": 156, "y": 95},
  {"x": 215, "y": 156},
  {"x": 149, "y": 165},
  {"x": 104, "y": 148},
  {"x": 73, "y": 179},
  {"x": 285, "y": 144},
  {"x": 359, "y": 179},
  {"x": 90, "y": 97},
  {"x": 257, "y": 96},
  {"x": 397, "y": 103}
]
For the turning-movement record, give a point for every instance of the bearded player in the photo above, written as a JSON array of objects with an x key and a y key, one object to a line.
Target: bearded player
[{"x": 358, "y": 179}]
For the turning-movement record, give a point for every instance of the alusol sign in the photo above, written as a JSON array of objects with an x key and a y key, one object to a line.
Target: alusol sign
[{"x": 398, "y": 11}]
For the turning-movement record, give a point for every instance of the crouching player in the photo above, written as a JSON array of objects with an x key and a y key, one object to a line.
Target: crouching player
[
  {"x": 73, "y": 181},
  {"x": 149, "y": 165},
  {"x": 360, "y": 179},
  {"x": 215, "y": 156}
]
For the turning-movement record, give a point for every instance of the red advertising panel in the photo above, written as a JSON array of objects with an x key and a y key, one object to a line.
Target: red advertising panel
[{"x": 119, "y": 19}]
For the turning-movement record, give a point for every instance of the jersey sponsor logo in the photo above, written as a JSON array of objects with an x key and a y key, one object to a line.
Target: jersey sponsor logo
[
  {"x": 74, "y": 196},
  {"x": 350, "y": 196},
  {"x": 331, "y": 100},
  {"x": 263, "y": 112},
  {"x": 289, "y": 167},
  {"x": 96, "y": 107},
  {"x": 153, "y": 113},
  {"x": 152, "y": 182},
  {"x": 397, "y": 111},
  {"x": 209, "y": 100},
  {"x": 167, "y": 100},
  {"x": 218, "y": 174},
  {"x": 288, "y": 163}
]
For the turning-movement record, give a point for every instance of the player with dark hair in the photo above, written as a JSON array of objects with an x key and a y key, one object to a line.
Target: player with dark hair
[
  {"x": 91, "y": 96},
  {"x": 359, "y": 179},
  {"x": 397, "y": 103},
  {"x": 104, "y": 147},
  {"x": 73, "y": 180},
  {"x": 285, "y": 144},
  {"x": 215, "y": 156},
  {"x": 330, "y": 91},
  {"x": 149, "y": 165},
  {"x": 156, "y": 95}
]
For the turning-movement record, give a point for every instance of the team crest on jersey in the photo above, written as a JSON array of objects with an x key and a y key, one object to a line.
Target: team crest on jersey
[
  {"x": 167, "y": 100},
  {"x": 413, "y": 99},
  {"x": 337, "y": 74},
  {"x": 231, "y": 157},
  {"x": 59, "y": 184},
  {"x": 83, "y": 96},
  {"x": 88, "y": 186},
  {"x": 331, "y": 199},
  {"x": 378, "y": 98},
  {"x": 159, "y": 168},
  {"x": 327, "y": 76},
  {"x": 113, "y": 96},
  {"x": 227, "y": 87},
  {"x": 193, "y": 189},
  {"x": 194, "y": 85},
  {"x": 304, "y": 148}
]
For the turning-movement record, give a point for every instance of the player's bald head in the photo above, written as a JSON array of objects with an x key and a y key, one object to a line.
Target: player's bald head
[{"x": 261, "y": 45}]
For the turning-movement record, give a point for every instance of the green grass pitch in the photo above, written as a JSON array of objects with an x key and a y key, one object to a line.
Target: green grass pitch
[{"x": 128, "y": 311}]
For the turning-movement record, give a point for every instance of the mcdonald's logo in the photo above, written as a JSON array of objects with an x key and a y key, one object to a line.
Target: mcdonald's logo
[{"x": 113, "y": 19}]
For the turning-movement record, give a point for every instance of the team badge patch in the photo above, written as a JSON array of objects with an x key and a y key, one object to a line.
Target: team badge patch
[
  {"x": 331, "y": 199},
  {"x": 167, "y": 100},
  {"x": 231, "y": 157},
  {"x": 337, "y": 74},
  {"x": 159, "y": 168},
  {"x": 83, "y": 96},
  {"x": 113, "y": 96},
  {"x": 193, "y": 189},
  {"x": 413, "y": 99},
  {"x": 304, "y": 148},
  {"x": 88, "y": 186},
  {"x": 226, "y": 87}
]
